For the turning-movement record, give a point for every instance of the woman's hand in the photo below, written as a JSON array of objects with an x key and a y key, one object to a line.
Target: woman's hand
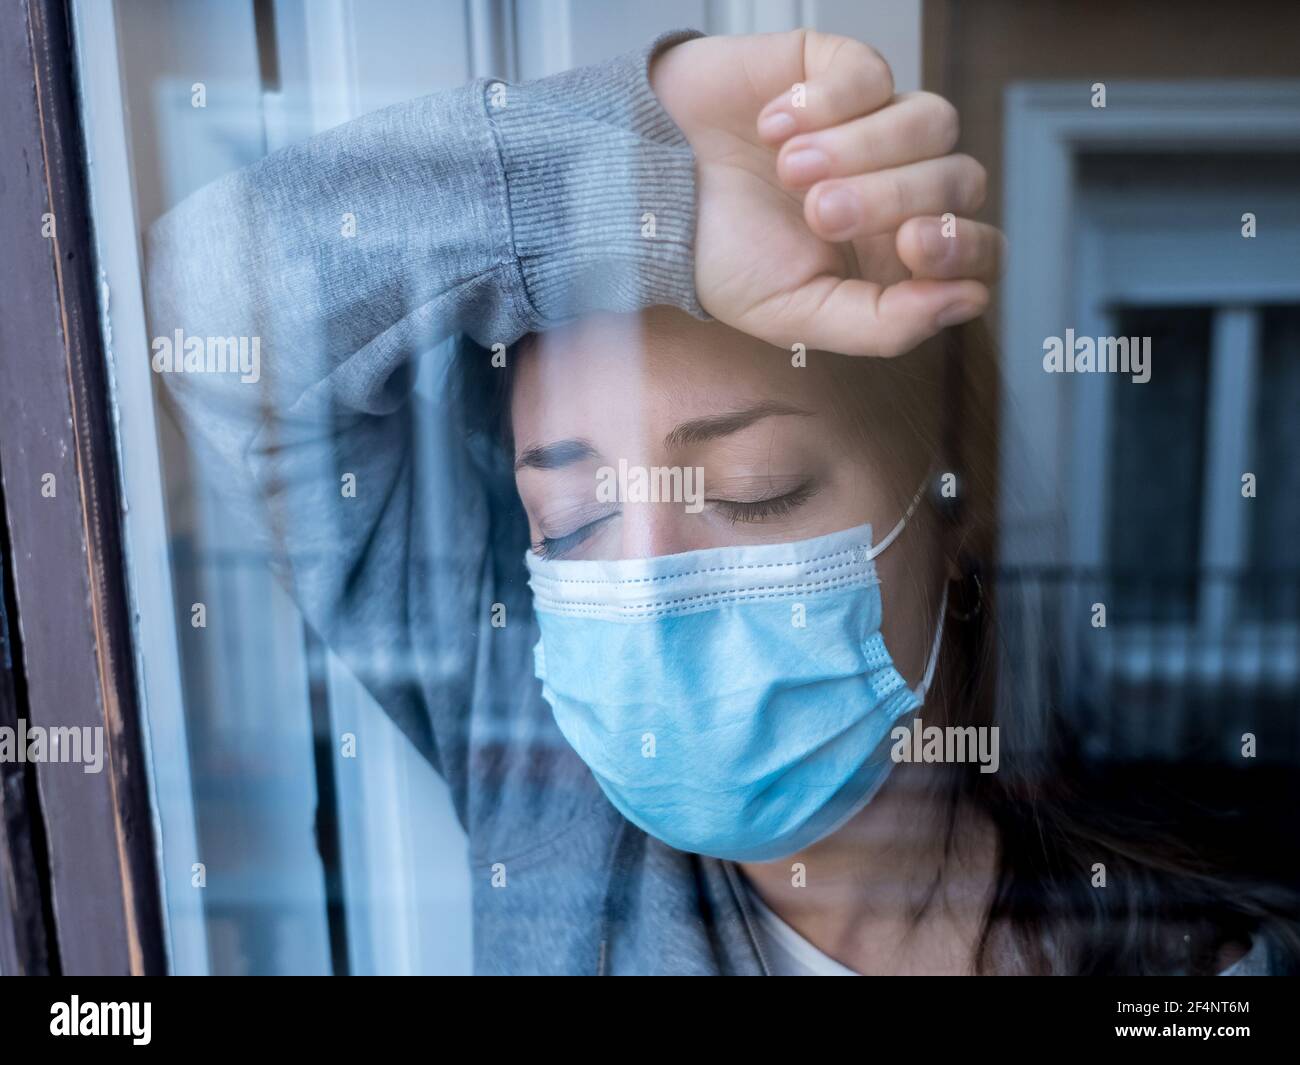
[{"x": 821, "y": 194}]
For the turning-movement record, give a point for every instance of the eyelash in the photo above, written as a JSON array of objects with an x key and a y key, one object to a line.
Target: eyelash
[
  {"x": 762, "y": 509},
  {"x": 553, "y": 546},
  {"x": 735, "y": 511}
]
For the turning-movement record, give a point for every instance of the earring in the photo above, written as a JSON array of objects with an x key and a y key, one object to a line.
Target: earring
[{"x": 965, "y": 596}]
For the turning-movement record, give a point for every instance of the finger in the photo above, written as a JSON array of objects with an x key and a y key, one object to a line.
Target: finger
[
  {"x": 863, "y": 206},
  {"x": 951, "y": 247},
  {"x": 856, "y": 317},
  {"x": 843, "y": 79},
  {"x": 916, "y": 126}
]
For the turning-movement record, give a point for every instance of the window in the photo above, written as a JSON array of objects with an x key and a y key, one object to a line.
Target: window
[
  {"x": 1155, "y": 201},
  {"x": 280, "y": 853},
  {"x": 1180, "y": 520}
]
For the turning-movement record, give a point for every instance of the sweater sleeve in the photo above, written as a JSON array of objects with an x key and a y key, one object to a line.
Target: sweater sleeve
[{"x": 491, "y": 210}]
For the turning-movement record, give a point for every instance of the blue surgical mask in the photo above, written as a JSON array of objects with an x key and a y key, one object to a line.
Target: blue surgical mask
[{"x": 733, "y": 701}]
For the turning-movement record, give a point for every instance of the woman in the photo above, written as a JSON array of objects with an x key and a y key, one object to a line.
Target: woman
[{"x": 702, "y": 782}]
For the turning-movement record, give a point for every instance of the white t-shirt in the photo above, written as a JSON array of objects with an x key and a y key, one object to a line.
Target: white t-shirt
[{"x": 786, "y": 951}]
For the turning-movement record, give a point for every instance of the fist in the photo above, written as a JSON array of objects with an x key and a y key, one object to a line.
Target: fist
[{"x": 830, "y": 211}]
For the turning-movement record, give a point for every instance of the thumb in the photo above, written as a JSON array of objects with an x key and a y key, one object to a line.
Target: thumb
[{"x": 842, "y": 79}]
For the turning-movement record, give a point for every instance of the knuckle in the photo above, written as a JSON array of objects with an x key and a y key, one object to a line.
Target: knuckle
[
  {"x": 873, "y": 69},
  {"x": 981, "y": 187},
  {"x": 974, "y": 182},
  {"x": 882, "y": 77},
  {"x": 857, "y": 74},
  {"x": 802, "y": 42},
  {"x": 945, "y": 119}
]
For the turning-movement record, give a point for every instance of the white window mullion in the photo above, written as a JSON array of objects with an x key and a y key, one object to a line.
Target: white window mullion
[{"x": 1234, "y": 358}]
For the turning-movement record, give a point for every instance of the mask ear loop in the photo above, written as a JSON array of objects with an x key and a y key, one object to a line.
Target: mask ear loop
[
  {"x": 924, "y": 686},
  {"x": 893, "y": 533}
]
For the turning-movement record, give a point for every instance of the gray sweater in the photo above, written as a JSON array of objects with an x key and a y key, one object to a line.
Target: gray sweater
[{"x": 489, "y": 211}]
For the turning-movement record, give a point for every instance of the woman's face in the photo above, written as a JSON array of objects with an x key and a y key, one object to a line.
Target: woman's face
[{"x": 756, "y": 450}]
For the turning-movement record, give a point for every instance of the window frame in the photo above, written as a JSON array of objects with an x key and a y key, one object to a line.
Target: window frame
[
  {"x": 77, "y": 664},
  {"x": 1046, "y": 417}
]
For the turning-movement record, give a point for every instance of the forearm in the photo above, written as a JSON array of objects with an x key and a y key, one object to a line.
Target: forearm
[{"x": 491, "y": 209}]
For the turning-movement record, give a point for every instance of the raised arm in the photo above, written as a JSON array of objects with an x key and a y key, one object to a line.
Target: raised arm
[{"x": 490, "y": 210}]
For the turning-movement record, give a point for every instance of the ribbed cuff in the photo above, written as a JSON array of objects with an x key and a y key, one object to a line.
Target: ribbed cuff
[{"x": 601, "y": 189}]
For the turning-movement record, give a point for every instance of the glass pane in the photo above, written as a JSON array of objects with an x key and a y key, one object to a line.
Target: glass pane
[
  {"x": 417, "y": 344},
  {"x": 303, "y": 829},
  {"x": 1157, "y": 450}
]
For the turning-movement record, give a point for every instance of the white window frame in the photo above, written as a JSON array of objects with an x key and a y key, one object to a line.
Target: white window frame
[{"x": 1055, "y": 426}]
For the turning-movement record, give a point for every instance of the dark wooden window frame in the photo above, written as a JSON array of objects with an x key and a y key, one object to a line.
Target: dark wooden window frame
[{"x": 79, "y": 885}]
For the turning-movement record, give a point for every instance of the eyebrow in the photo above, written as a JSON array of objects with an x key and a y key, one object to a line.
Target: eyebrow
[
  {"x": 698, "y": 430},
  {"x": 562, "y": 453}
]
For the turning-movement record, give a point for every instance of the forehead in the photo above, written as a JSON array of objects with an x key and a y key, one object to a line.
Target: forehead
[{"x": 617, "y": 372}]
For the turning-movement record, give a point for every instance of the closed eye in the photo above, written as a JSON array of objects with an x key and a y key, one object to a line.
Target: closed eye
[
  {"x": 557, "y": 546},
  {"x": 736, "y": 510}
]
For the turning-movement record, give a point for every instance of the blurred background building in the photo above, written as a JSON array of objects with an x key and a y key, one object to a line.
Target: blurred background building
[{"x": 1172, "y": 212}]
